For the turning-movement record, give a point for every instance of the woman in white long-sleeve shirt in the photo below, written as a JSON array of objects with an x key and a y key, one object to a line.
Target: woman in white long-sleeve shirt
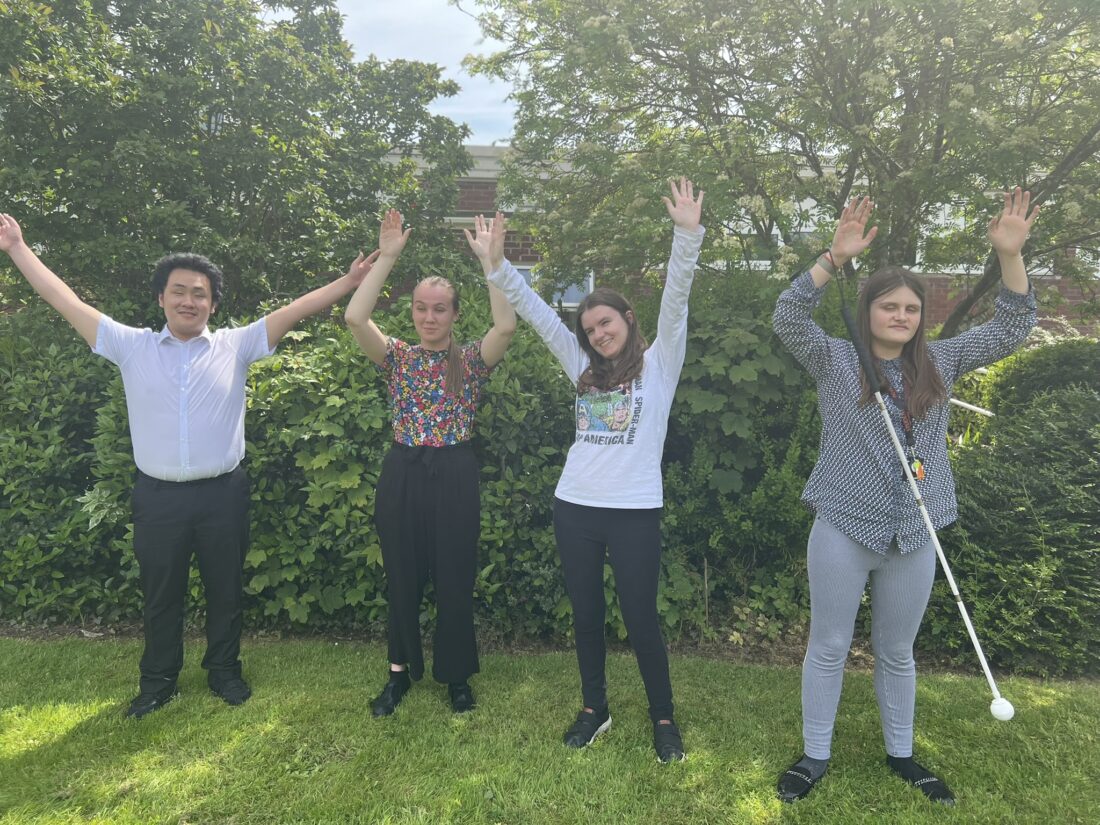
[{"x": 609, "y": 498}]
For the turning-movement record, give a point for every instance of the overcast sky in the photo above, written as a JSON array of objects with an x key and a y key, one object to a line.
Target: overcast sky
[{"x": 434, "y": 31}]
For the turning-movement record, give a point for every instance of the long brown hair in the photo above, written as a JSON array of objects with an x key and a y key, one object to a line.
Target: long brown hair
[
  {"x": 453, "y": 380},
  {"x": 925, "y": 387},
  {"x": 602, "y": 374}
]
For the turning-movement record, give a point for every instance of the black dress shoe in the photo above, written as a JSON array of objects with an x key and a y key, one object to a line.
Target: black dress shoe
[
  {"x": 234, "y": 691},
  {"x": 462, "y": 697},
  {"x": 145, "y": 703},
  {"x": 387, "y": 701}
]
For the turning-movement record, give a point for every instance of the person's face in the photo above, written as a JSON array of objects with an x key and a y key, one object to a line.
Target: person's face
[
  {"x": 433, "y": 314},
  {"x": 187, "y": 302},
  {"x": 895, "y": 316},
  {"x": 620, "y": 414},
  {"x": 607, "y": 330}
]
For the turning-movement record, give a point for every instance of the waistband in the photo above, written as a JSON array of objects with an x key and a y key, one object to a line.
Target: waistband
[
  {"x": 426, "y": 448},
  {"x": 427, "y": 454},
  {"x": 195, "y": 482}
]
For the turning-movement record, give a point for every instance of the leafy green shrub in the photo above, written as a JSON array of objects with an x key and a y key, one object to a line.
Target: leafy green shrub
[
  {"x": 1013, "y": 382},
  {"x": 50, "y": 385},
  {"x": 1026, "y": 551}
]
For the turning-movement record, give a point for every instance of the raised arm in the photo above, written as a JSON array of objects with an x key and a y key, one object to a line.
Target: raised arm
[
  {"x": 1014, "y": 311},
  {"x": 1008, "y": 233},
  {"x": 528, "y": 305},
  {"x": 283, "y": 320},
  {"x": 391, "y": 241},
  {"x": 850, "y": 238},
  {"x": 83, "y": 318},
  {"x": 487, "y": 242},
  {"x": 685, "y": 209}
]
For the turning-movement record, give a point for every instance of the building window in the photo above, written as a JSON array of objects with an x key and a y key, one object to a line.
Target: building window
[{"x": 564, "y": 301}]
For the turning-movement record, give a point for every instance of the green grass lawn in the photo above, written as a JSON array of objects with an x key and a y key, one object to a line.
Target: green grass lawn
[{"x": 305, "y": 749}]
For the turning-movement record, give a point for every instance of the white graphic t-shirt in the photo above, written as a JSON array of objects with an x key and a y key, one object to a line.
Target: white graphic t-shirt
[{"x": 615, "y": 460}]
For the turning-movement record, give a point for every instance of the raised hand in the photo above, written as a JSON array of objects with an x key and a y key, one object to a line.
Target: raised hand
[
  {"x": 361, "y": 266},
  {"x": 684, "y": 208},
  {"x": 10, "y": 233},
  {"x": 487, "y": 240},
  {"x": 1008, "y": 231},
  {"x": 391, "y": 240},
  {"x": 851, "y": 236}
]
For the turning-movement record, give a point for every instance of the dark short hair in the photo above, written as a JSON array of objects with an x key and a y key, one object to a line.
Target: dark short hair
[{"x": 187, "y": 260}]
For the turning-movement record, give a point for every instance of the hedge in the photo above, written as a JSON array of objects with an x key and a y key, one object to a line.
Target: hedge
[{"x": 742, "y": 439}]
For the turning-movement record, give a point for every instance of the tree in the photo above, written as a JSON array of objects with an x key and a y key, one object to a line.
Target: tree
[
  {"x": 782, "y": 111},
  {"x": 132, "y": 128}
]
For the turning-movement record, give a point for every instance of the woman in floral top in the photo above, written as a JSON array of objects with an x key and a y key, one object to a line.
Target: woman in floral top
[{"x": 427, "y": 506}]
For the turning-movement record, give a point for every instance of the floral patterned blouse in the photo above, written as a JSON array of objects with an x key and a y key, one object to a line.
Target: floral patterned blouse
[{"x": 422, "y": 414}]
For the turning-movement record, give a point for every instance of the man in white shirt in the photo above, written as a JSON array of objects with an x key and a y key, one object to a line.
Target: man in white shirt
[{"x": 185, "y": 398}]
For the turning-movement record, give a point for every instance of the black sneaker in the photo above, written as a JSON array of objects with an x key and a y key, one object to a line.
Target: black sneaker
[
  {"x": 145, "y": 703},
  {"x": 667, "y": 742},
  {"x": 588, "y": 726},
  {"x": 233, "y": 691},
  {"x": 392, "y": 694},
  {"x": 462, "y": 697}
]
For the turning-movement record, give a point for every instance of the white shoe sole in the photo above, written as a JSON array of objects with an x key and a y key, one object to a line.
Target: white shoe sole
[
  {"x": 601, "y": 729},
  {"x": 597, "y": 732}
]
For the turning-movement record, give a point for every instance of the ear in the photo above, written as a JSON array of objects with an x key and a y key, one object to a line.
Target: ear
[
  {"x": 160, "y": 299},
  {"x": 630, "y": 317}
]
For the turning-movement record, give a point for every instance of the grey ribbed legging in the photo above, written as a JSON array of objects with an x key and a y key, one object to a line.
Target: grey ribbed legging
[{"x": 900, "y": 586}]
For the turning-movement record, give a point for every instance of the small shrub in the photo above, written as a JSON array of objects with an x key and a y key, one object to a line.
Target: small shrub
[{"x": 1026, "y": 550}]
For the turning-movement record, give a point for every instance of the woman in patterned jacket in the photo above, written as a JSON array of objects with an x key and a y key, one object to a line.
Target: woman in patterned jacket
[
  {"x": 608, "y": 500},
  {"x": 427, "y": 505},
  {"x": 867, "y": 524}
]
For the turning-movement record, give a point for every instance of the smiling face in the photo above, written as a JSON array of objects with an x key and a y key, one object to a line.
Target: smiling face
[
  {"x": 188, "y": 303},
  {"x": 894, "y": 318},
  {"x": 607, "y": 329},
  {"x": 434, "y": 314}
]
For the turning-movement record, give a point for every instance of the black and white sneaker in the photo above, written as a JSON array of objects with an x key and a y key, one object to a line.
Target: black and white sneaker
[
  {"x": 667, "y": 742},
  {"x": 588, "y": 726}
]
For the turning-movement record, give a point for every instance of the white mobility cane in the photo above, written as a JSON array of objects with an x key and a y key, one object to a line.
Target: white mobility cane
[{"x": 1000, "y": 707}]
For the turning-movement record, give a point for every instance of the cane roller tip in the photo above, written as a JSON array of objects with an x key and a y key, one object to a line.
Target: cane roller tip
[{"x": 1002, "y": 709}]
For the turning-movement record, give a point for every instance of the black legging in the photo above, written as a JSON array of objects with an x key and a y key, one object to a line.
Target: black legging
[
  {"x": 632, "y": 540},
  {"x": 428, "y": 514}
]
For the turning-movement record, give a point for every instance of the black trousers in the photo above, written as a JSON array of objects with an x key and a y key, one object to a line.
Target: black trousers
[
  {"x": 172, "y": 520},
  {"x": 632, "y": 540},
  {"x": 428, "y": 513}
]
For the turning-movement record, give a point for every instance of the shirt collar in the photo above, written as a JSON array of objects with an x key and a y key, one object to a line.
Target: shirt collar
[{"x": 166, "y": 335}]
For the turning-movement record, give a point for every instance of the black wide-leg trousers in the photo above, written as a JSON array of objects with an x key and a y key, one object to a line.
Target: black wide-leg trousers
[
  {"x": 631, "y": 539},
  {"x": 172, "y": 521},
  {"x": 428, "y": 514}
]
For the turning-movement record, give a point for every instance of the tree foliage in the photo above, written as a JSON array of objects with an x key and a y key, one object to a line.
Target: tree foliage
[
  {"x": 132, "y": 128},
  {"x": 782, "y": 111}
]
